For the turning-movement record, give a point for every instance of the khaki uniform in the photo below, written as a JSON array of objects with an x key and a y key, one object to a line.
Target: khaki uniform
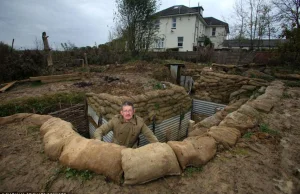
[{"x": 125, "y": 133}]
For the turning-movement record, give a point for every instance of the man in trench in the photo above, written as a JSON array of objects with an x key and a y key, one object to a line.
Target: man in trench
[{"x": 126, "y": 127}]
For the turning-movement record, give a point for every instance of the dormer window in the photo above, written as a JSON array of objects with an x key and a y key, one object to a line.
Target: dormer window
[
  {"x": 173, "y": 23},
  {"x": 176, "y": 7}
]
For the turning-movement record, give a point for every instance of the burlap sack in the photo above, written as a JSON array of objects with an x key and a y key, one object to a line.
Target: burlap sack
[
  {"x": 103, "y": 158},
  {"x": 28, "y": 118},
  {"x": 48, "y": 125},
  {"x": 198, "y": 131},
  {"x": 239, "y": 121},
  {"x": 195, "y": 151},
  {"x": 140, "y": 98},
  {"x": 227, "y": 136},
  {"x": 54, "y": 141},
  {"x": 72, "y": 149},
  {"x": 148, "y": 163}
]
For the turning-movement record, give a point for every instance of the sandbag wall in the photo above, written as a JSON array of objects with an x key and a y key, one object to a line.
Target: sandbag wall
[
  {"x": 154, "y": 106},
  {"x": 222, "y": 88}
]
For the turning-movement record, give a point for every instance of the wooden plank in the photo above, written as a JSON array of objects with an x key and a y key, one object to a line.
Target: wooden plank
[
  {"x": 52, "y": 77},
  {"x": 60, "y": 79},
  {"x": 7, "y": 86}
]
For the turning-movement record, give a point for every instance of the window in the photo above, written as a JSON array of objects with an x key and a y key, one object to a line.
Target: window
[
  {"x": 159, "y": 43},
  {"x": 213, "y": 32},
  {"x": 180, "y": 41},
  {"x": 157, "y": 23},
  {"x": 173, "y": 23}
]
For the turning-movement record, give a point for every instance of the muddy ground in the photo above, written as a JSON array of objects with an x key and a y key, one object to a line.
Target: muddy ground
[{"x": 262, "y": 163}]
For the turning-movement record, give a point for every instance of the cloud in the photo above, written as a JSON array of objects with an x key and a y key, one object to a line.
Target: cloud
[{"x": 82, "y": 22}]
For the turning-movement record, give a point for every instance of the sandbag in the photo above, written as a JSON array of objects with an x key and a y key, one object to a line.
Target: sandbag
[
  {"x": 197, "y": 131},
  {"x": 227, "y": 136},
  {"x": 54, "y": 140},
  {"x": 72, "y": 149},
  {"x": 239, "y": 121},
  {"x": 103, "y": 158},
  {"x": 51, "y": 123},
  {"x": 149, "y": 162},
  {"x": 28, "y": 118},
  {"x": 194, "y": 151}
]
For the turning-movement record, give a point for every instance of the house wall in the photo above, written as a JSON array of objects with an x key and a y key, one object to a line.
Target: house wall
[
  {"x": 189, "y": 27},
  {"x": 219, "y": 37},
  {"x": 185, "y": 27}
]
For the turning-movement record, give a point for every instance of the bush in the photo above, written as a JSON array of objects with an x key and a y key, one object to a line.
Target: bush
[
  {"x": 19, "y": 65},
  {"x": 41, "y": 105}
]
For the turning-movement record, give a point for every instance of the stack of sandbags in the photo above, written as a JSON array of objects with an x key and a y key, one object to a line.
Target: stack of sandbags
[
  {"x": 148, "y": 163},
  {"x": 77, "y": 152},
  {"x": 218, "y": 87},
  {"x": 163, "y": 104}
]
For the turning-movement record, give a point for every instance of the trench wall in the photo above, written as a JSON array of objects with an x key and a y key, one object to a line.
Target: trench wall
[
  {"x": 75, "y": 115},
  {"x": 223, "y": 88},
  {"x": 157, "y": 104}
]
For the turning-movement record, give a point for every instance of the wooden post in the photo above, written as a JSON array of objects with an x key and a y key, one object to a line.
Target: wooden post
[
  {"x": 12, "y": 45},
  {"x": 86, "y": 61},
  {"x": 47, "y": 49}
]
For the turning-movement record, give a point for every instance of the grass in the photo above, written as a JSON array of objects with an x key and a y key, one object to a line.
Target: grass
[
  {"x": 97, "y": 69},
  {"x": 266, "y": 129},
  {"x": 40, "y": 105},
  {"x": 247, "y": 135},
  {"x": 292, "y": 83},
  {"x": 69, "y": 173},
  {"x": 240, "y": 151},
  {"x": 158, "y": 86},
  {"x": 189, "y": 171},
  {"x": 83, "y": 175},
  {"x": 36, "y": 84},
  {"x": 285, "y": 95}
]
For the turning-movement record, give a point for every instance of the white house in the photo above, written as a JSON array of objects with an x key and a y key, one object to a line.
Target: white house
[{"x": 184, "y": 28}]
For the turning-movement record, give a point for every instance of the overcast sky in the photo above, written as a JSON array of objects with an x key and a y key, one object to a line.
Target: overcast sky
[{"x": 82, "y": 22}]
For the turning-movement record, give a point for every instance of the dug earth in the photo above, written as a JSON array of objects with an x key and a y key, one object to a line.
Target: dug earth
[{"x": 264, "y": 160}]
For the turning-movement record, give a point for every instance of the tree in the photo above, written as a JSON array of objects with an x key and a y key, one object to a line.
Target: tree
[
  {"x": 136, "y": 19},
  {"x": 254, "y": 21},
  {"x": 240, "y": 16},
  {"x": 290, "y": 49},
  {"x": 288, "y": 12}
]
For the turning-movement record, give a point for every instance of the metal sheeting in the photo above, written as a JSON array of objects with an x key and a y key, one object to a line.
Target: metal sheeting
[
  {"x": 108, "y": 137},
  {"x": 204, "y": 107},
  {"x": 169, "y": 129}
]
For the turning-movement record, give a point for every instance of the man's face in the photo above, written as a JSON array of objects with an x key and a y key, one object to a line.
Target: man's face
[{"x": 127, "y": 112}]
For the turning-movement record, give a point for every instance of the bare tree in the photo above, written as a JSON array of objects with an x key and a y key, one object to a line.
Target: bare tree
[
  {"x": 288, "y": 12},
  {"x": 240, "y": 15}
]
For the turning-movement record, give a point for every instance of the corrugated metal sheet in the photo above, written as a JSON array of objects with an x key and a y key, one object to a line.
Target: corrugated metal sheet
[
  {"x": 204, "y": 107},
  {"x": 170, "y": 129},
  {"x": 167, "y": 130}
]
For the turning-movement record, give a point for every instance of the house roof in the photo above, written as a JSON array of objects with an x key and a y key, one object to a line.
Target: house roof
[
  {"x": 211, "y": 21},
  {"x": 181, "y": 10},
  {"x": 176, "y": 10}
]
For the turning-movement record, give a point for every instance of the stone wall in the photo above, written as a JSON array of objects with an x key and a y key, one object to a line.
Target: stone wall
[
  {"x": 222, "y": 88},
  {"x": 161, "y": 104}
]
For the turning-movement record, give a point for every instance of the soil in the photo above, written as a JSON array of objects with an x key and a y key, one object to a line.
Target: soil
[
  {"x": 263, "y": 163},
  {"x": 130, "y": 79}
]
